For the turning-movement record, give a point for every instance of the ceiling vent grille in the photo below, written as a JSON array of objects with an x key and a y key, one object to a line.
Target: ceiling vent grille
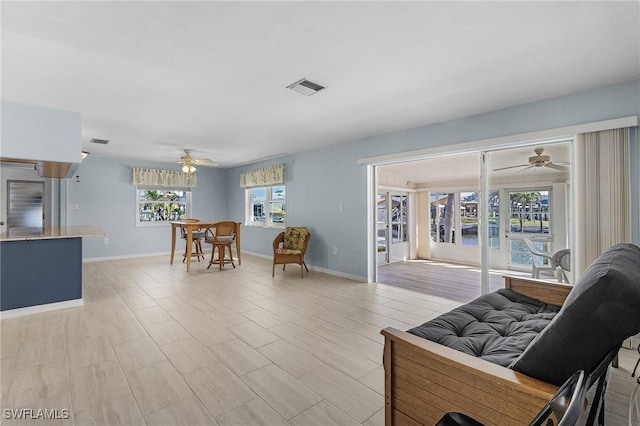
[
  {"x": 100, "y": 141},
  {"x": 305, "y": 87}
]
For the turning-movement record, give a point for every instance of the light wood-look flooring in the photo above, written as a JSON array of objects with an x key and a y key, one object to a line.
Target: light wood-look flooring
[
  {"x": 158, "y": 346},
  {"x": 451, "y": 281}
]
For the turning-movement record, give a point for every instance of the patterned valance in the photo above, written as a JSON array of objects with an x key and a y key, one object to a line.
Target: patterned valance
[
  {"x": 266, "y": 176},
  {"x": 164, "y": 178}
]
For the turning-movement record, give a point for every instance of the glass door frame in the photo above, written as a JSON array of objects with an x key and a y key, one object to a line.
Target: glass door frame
[
  {"x": 400, "y": 223},
  {"x": 535, "y": 236},
  {"x": 505, "y": 233},
  {"x": 382, "y": 225}
]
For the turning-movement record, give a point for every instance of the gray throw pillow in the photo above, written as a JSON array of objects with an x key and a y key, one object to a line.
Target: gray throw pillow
[{"x": 600, "y": 312}]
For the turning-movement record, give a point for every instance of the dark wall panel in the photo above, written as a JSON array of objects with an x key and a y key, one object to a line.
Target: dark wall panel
[{"x": 38, "y": 272}]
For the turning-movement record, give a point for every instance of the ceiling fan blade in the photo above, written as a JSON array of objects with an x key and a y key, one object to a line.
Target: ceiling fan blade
[
  {"x": 556, "y": 167},
  {"x": 510, "y": 167},
  {"x": 564, "y": 163},
  {"x": 523, "y": 170},
  {"x": 205, "y": 162}
]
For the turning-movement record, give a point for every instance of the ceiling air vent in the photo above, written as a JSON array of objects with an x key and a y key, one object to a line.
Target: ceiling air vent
[
  {"x": 100, "y": 141},
  {"x": 305, "y": 87}
]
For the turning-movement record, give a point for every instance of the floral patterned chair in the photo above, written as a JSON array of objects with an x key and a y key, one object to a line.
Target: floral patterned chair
[{"x": 290, "y": 246}]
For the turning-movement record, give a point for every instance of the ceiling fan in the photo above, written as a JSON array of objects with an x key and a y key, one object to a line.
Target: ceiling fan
[
  {"x": 538, "y": 160},
  {"x": 189, "y": 162}
]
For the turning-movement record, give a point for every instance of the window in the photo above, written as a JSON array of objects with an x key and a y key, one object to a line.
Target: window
[
  {"x": 529, "y": 211},
  {"x": 469, "y": 218},
  {"x": 494, "y": 219},
  {"x": 529, "y": 216},
  {"x": 445, "y": 222},
  {"x": 399, "y": 218},
  {"x": 161, "y": 205},
  {"x": 382, "y": 222},
  {"x": 442, "y": 217},
  {"x": 266, "y": 206}
]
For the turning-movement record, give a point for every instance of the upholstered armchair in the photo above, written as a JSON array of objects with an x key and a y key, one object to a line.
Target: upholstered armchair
[{"x": 290, "y": 246}]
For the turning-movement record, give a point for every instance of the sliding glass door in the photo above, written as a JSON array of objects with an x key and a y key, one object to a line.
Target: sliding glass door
[
  {"x": 526, "y": 209},
  {"x": 492, "y": 209}
]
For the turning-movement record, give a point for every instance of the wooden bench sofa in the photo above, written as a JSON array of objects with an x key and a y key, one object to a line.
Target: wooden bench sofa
[{"x": 424, "y": 379}]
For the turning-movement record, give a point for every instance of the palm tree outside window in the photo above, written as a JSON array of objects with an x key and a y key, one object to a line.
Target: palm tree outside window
[
  {"x": 157, "y": 206},
  {"x": 529, "y": 215}
]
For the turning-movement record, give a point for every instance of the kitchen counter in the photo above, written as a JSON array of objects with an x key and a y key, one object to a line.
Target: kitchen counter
[
  {"x": 41, "y": 268},
  {"x": 46, "y": 233}
]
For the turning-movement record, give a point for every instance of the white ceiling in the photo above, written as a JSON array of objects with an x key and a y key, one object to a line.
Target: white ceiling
[
  {"x": 157, "y": 77},
  {"x": 462, "y": 169}
]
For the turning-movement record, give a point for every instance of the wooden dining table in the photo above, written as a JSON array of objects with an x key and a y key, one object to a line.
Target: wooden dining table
[{"x": 189, "y": 227}]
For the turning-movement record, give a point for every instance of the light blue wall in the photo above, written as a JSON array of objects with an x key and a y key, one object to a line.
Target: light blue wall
[
  {"x": 317, "y": 181},
  {"x": 106, "y": 199}
]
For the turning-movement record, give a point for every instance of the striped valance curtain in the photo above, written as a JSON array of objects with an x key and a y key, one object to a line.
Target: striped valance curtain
[
  {"x": 265, "y": 176},
  {"x": 602, "y": 194},
  {"x": 164, "y": 178}
]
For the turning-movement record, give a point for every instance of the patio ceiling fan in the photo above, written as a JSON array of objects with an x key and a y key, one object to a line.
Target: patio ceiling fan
[
  {"x": 189, "y": 162},
  {"x": 538, "y": 160}
]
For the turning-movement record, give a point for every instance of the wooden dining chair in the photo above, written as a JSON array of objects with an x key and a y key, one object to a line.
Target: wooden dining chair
[
  {"x": 197, "y": 235},
  {"x": 221, "y": 235}
]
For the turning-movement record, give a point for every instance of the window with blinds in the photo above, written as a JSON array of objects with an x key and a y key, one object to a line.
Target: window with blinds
[{"x": 25, "y": 204}]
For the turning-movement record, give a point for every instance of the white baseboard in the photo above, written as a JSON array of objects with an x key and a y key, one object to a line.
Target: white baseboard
[
  {"x": 338, "y": 274},
  {"x": 315, "y": 268},
  {"x": 260, "y": 255},
  {"x": 127, "y": 256},
  {"x": 38, "y": 309}
]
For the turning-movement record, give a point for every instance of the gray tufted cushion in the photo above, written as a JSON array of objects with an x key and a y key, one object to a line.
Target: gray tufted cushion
[
  {"x": 496, "y": 327},
  {"x": 601, "y": 311}
]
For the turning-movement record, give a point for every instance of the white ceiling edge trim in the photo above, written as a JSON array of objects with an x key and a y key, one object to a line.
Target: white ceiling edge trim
[
  {"x": 531, "y": 138},
  {"x": 475, "y": 185},
  {"x": 396, "y": 188}
]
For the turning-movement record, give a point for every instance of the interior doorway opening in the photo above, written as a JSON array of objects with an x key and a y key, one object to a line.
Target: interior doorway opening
[{"x": 476, "y": 209}]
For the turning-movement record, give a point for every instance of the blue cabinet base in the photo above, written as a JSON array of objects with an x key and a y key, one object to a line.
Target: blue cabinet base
[{"x": 39, "y": 272}]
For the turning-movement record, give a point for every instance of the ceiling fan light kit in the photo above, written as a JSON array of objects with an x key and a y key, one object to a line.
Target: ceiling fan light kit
[
  {"x": 189, "y": 162},
  {"x": 539, "y": 160},
  {"x": 188, "y": 168}
]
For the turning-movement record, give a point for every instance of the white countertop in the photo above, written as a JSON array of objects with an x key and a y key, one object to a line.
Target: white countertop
[{"x": 51, "y": 232}]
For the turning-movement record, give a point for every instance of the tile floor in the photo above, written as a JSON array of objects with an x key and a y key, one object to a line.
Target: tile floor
[{"x": 155, "y": 345}]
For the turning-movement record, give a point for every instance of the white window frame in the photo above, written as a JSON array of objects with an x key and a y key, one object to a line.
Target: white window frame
[
  {"x": 457, "y": 216},
  {"x": 268, "y": 223},
  {"x": 139, "y": 223},
  {"x": 403, "y": 226},
  {"x": 545, "y": 238},
  {"x": 456, "y": 204}
]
